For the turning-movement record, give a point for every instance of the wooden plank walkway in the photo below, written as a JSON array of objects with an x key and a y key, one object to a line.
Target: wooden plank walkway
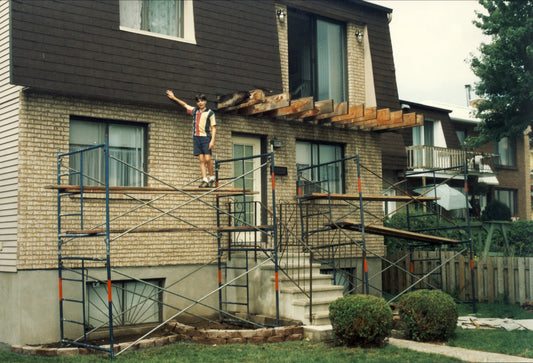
[
  {"x": 370, "y": 198},
  {"x": 122, "y": 190},
  {"x": 391, "y": 232}
]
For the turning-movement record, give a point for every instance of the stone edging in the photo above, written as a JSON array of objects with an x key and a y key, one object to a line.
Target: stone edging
[{"x": 180, "y": 332}]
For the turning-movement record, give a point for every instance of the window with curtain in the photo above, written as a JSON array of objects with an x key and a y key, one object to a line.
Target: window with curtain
[
  {"x": 165, "y": 17},
  {"x": 506, "y": 151},
  {"x": 126, "y": 143},
  {"x": 317, "y": 57},
  {"x": 320, "y": 178}
]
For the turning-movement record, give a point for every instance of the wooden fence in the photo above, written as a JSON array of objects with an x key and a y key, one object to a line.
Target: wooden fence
[{"x": 497, "y": 279}]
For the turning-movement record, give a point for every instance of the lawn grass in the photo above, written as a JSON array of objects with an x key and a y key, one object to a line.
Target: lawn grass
[
  {"x": 279, "y": 352},
  {"x": 517, "y": 342},
  {"x": 486, "y": 310}
]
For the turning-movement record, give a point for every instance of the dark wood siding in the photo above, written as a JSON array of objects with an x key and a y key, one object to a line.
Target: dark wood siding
[
  {"x": 375, "y": 18},
  {"x": 77, "y": 48}
]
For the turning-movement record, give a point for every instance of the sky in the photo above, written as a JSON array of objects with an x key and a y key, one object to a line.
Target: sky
[{"x": 432, "y": 41}]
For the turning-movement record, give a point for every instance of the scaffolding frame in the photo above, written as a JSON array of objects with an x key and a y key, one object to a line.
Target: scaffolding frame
[
  {"x": 229, "y": 222},
  {"x": 312, "y": 190},
  {"x": 103, "y": 230}
]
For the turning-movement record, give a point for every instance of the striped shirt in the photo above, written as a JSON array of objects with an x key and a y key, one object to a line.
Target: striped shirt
[{"x": 201, "y": 121}]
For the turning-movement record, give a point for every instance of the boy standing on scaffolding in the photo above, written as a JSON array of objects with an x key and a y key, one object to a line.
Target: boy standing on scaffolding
[{"x": 204, "y": 132}]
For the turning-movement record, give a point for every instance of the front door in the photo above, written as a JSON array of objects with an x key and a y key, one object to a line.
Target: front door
[{"x": 247, "y": 210}]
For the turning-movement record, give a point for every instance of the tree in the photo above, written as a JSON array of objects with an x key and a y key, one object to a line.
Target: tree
[{"x": 505, "y": 70}]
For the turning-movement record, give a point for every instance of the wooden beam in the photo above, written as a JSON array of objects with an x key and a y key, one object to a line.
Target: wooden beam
[
  {"x": 271, "y": 103},
  {"x": 391, "y": 232},
  {"x": 369, "y": 198},
  {"x": 243, "y": 228},
  {"x": 296, "y": 106},
  {"x": 147, "y": 190},
  {"x": 384, "y": 116},
  {"x": 138, "y": 230},
  {"x": 407, "y": 120},
  {"x": 339, "y": 109},
  {"x": 353, "y": 112},
  {"x": 256, "y": 96},
  {"x": 369, "y": 113},
  {"x": 320, "y": 108}
]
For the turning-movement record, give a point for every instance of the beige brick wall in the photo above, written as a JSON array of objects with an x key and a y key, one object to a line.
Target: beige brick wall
[
  {"x": 356, "y": 66},
  {"x": 44, "y": 128},
  {"x": 283, "y": 38}
]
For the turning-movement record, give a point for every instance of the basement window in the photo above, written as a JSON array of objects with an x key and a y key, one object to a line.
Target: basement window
[
  {"x": 134, "y": 302},
  {"x": 171, "y": 19}
]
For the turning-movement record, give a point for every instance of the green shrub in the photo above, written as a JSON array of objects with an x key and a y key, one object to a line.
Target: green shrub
[
  {"x": 360, "y": 320},
  {"x": 496, "y": 211},
  {"x": 520, "y": 235},
  {"x": 421, "y": 220},
  {"x": 428, "y": 315}
]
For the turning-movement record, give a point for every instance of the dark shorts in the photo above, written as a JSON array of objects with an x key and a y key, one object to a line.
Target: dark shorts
[{"x": 201, "y": 145}]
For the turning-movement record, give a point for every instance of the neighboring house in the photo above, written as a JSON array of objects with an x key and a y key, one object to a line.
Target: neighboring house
[
  {"x": 80, "y": 73},
  {"x": 497, "y": 171}
]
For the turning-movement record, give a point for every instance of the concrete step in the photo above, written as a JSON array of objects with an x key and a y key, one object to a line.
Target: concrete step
[
  {"x": 319, "y": 279},
  {"x": 320, "y": 309},
  {"x": 319, "y": 292}
]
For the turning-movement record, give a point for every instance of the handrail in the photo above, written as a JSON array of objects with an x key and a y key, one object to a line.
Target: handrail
[{"x": 436, "y": 157}]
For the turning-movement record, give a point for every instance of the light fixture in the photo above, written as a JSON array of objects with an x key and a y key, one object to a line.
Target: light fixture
[
  {"x": 281, "y": 15},
  {"x": 276, "y": 143},
  {"x": 359, "y": 35}
]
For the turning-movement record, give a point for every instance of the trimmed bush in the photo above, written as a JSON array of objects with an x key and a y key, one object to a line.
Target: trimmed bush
[
  {"x": 360, "y": 320},
  {"x": 428, "y": 315},
  {"x": 496, "y": 211}
]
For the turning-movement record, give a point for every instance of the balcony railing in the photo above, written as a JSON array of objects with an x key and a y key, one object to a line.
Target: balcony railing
[{"x": 434, "y": 157}]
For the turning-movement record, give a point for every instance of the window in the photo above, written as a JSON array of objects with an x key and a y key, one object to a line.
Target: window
[
  {"x": 424, "y": 135},
  {"x": 344, "y": 276},
  {"x": 461, "y": 135},
  {"x": 165, "y": 18},
  {"x": 126, "y": 143},
  {"x": 310, "y": 154},
  {"x": 507, "y": 197},
  {"x": 317, "y": 57},
  {"x": 506, "y": 150},
  {"x": 134, "y": 302}
]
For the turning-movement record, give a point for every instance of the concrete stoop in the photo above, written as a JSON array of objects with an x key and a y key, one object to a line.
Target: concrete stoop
[{"x": 293, "y": 303}]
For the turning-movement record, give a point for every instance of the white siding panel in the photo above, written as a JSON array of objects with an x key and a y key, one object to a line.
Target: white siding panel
[{"x": 9, "y": 122}]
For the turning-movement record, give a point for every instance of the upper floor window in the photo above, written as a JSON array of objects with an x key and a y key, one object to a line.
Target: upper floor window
[
  {"x": 331, "y": 174},
  {"x": 461, "y": 135},
  {"x": 424, "y": 135},
  {"x": 506, "y": 151},
  {"x": 126, "y": 146},
  {"x": 166, "y": 18},
  {"x": 317, "y": 57},
  {"x": 509, "y": 198}
]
